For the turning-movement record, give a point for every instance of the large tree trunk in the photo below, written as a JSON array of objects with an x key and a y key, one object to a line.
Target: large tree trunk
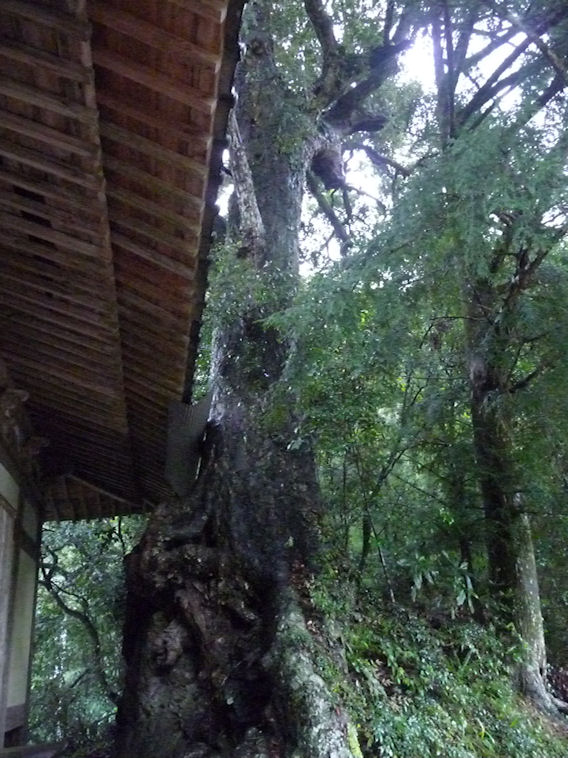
[
  {"x": 512, "y": 566},
  {"x": 219, "y": 657}
]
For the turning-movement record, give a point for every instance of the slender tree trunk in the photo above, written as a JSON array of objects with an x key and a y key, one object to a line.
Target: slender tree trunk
[{"x": 219, "y": 658}]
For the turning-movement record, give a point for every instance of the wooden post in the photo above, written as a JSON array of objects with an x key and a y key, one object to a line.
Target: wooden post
[{"x": 7, "y": 515}]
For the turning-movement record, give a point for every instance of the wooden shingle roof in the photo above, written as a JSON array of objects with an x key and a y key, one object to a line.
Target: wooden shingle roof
[{"x": 112, "y": 117}]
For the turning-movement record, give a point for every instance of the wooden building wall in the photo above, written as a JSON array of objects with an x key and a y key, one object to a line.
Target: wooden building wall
[{"x": 19, "y": 550}]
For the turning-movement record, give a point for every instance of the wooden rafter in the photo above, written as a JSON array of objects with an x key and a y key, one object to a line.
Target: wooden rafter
[{"x": 110, "y": 119}]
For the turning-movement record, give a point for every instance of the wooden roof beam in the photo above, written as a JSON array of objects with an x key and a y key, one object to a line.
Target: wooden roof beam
[
  {"x": 112, "y": 392},
  {"x": 70, "y": 403},
  {"x": 41, "y": 284},
  {"x": 42, "y": 271},
  {"x": 47, "y": 134},
  {"x": 151, "y": 35},
  {"x": 152, "y": 149},
  {"x": 134, "y": 200},
  {"x": 183, "y": 270},
  {"x": 179, "y": 91},
  {"x": 60, "y": 329},
  {"x": 155, "y": 119},
  {"x": 85, "y": 205},
  {"x": 58, "y": 356},
  {"x": 214, "y": 10},
  {"x": 186, "y": 247},
  {"x": 40, "y": 231},
  {"x": 152, "y": 183},
  {"x": 105, "y": 493},
  {"x": 22, "y": 329},
  {"x": 15, "y": 202},
  {"x": 128, "y": 299},
  {"x": 88, "y": 267},
  {"x": 49, "y": 101},
  {"x": 36, "y": 159},
  {"x": 32, "y": 56},
  {"x": 54, "y": 19},
  {"x": 63, "y": 314}
]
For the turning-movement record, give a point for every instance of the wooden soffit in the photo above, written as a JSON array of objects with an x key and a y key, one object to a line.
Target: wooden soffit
[{"x": 112, "y": 121}]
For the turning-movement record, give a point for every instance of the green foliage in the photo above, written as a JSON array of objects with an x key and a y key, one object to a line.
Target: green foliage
[
  {"x": 77, "y": 647},
  {"x": 431, "y": 686}
]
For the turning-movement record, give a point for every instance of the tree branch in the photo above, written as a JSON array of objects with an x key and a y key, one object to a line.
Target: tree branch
[
  {"x": 332, "y": 80},
  {"x": 82, "y": 616},
  {"x": 493, "y": 85},
  {"x": 378, "y": 159},
  {"x": 452, "y": 73},
  {"x": 323, "y": 27},
  {"x": 250, "y": 219},
  {"x": 534, "y": 36},
  {"x": 329, "y": 213},
  {"x": 526, "y": 380},
  {"x": 383, "y": 65}
]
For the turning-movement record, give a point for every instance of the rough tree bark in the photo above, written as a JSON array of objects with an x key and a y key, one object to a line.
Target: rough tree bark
[
  {"x": 512, "y": 565},
  {"x": 219, "y": 658}
]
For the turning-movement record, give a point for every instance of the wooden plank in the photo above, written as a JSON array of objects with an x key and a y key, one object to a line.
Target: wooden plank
[
  {"x": 148, "y": 77},
  {"x": 106, "y": 389},
  {"x": 49, "y": 101},
  {"x": 148, "y": 360},
  {"x": 27, "y": 279},
  {"x": 156, "y": 120},
  {"x": 151, "y": 35},
  {"x": 40, "y": 270},
  {"x": 109, "y": 439},
  {"x": 144, "y": 423},
  {"x": 159, "y": 186},
  {"x": 73, "y": 264},
  {"x": 169, "y": 377},
  {"x": 175, "y": 267},
  {"x": 215, "y": 10},
  {"x": 153, "y": 424},
  {"x": 58, "y": 406},
  {"x": 88, "y": 206},
  {"x": 128, "y": 299},
  {"x": 36, "y": 159},
  {"x": 172, "y": 353},
  {"x": 105, "y": 493},
  {"x": 187, "y": 248},
  {"x": 152, "y": 149},
  {"x": 162, "y": 393},
  {"x": 154, "y": 209},
  {"x": 168, "y": 344},
  {"x": 40, "y": 231},
  {"x": 51, "y": 401},
  {"x": 147, "y": 329},
  {"x": 47, "y": 134},
  {"x": 16, "y": 202},
  {"x": 46, "y": 16},
  {"x": 55, "y": 364},
  {"x": 60, "y": 329},
  {"x": 61, "y": 359},
  {"x": 179, "y": 292},
  {"x": 48, "y": 335},
  {"x": 115, "y": 477},
  {"x": 33, "y": 56},
  {"x": 58, "y": 313}
]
